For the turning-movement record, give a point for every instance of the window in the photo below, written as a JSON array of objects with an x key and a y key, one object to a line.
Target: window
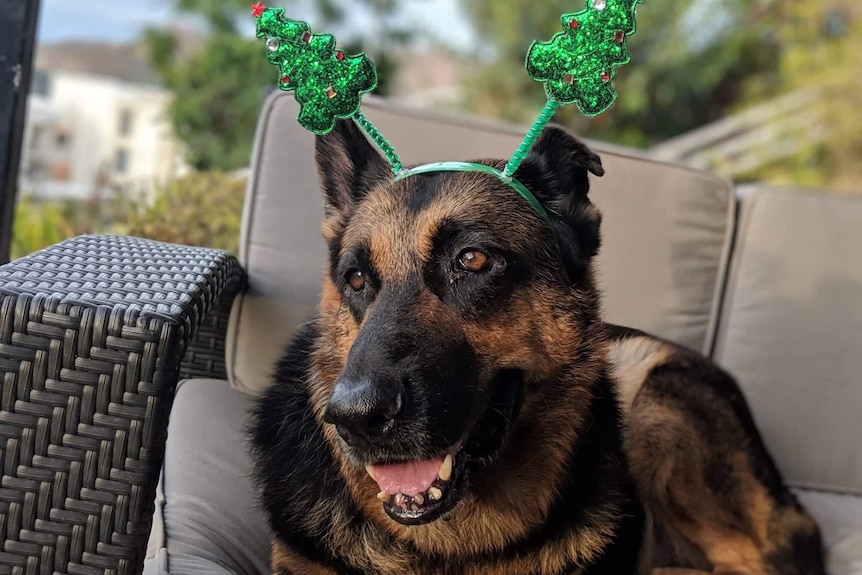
[
  {"x": 121, "y": 161},
  {"x": 36, "y": 135},
  {"x": 61, "y": 139},
  {"x": 41, "y": 83},
  {"x": 126, "y": 121}
]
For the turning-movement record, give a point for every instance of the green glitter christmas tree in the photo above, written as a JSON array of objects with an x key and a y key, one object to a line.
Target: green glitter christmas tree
[
  {"x": 578, "y": 64},
  {"x": 327, "y": 83}
]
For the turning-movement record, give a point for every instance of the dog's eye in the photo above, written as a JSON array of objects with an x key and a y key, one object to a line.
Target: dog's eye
[
  {"x": 356, "y": 280},
  {"x": 474, "y": 261}
]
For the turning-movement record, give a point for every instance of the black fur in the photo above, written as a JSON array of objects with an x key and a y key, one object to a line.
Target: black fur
[
  {"x": 349, "y": 166},
  {"x": 557, "y": 171},
  {"x": 413, "y": 345}
]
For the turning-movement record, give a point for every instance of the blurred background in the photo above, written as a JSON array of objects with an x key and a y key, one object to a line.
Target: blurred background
[{"x": 142, "y": 113}]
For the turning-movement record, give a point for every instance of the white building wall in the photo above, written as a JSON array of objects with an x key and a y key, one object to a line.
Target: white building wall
[{"x": 89, "y": 110}]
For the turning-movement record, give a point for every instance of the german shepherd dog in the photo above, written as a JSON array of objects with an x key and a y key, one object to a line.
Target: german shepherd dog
[{"x": 458, "y": 406}]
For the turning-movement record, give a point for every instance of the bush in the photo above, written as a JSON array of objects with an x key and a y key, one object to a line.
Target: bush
[
  {"x": 38, "y": 225},
  {"x": 201, "y": 209}
]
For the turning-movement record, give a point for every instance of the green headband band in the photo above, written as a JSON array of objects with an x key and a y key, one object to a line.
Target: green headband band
[
  {"x": 576, "y": 66},
  {"x": 522, "y": 190}
]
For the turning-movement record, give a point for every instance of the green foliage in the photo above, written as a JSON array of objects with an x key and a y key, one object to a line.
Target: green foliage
[
  {"x": 218, "y": 92},
  {"x": 37, "y": 226},
  {"x": 687, "y": 68},
  {"x": 821, "y": 47},
  {"x": 217, "y": 97},
  {"x": 42, "y": 223},
  {"x": 200, "y": 209}
]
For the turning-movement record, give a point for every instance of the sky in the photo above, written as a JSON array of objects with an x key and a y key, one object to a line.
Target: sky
[{"x": 123, "y": 20}]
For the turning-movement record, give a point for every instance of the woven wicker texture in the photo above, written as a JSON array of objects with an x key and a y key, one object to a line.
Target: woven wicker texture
[
  {"x": 205, "y": 356},
  {"x": 92, "y": 334}
]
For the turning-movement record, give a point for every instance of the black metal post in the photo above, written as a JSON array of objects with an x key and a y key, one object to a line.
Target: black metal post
[{"x": 18, "y": 20}]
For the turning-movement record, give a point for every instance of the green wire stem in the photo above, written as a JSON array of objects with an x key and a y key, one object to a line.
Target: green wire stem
[
  {"x": 530, "y": 139},
  {"x": 380, "y": 140}
]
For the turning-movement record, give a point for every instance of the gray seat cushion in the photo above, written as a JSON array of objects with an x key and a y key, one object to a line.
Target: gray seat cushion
[
  {"x": 791, "y": 331},
  {"x": 840, "y": 519},
  {"x": 666, "y": 232},
  {"x": 207, "y": 519}
]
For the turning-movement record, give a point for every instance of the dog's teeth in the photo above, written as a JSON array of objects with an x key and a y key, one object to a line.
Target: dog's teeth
[
  {"x": 434, "y": 494},
  {"x": 400, "y": 500},
  {"x": 382, "y": 496},
  {"x": 370, "y": 471},
  {"x": 445, "y": 472},
  {"x": 419, "y": 499}
]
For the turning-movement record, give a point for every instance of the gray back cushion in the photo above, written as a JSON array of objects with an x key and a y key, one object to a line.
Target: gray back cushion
[
  {"x": 666, "y": 232},
  {"x": 791, "y": 331}
]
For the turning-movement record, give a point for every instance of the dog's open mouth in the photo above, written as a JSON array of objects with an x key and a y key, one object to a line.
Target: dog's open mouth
[
  {"x": 412, "y": 492},
  {"x": 419, "y": 492}
]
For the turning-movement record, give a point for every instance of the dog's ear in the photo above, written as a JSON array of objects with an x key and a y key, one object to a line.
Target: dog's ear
[
  {"x": 348, "y": 165},
  {"x": 557, "y": 170}
]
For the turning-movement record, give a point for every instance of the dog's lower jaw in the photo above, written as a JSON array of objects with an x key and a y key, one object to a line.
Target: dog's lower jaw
[{"x": 474, "y": 452}]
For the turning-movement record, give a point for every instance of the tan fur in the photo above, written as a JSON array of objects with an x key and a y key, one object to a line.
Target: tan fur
[{"x": 633, "y": 359}]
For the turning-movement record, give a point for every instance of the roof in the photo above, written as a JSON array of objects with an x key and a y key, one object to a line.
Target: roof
[{"x": 128, "y": 62}]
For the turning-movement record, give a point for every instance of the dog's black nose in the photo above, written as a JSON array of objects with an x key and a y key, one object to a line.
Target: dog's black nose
[{"x": 360, "y": 408}]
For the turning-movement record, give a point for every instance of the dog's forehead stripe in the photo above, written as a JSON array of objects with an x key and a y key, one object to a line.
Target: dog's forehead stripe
[{"x": 400, "y": 232}]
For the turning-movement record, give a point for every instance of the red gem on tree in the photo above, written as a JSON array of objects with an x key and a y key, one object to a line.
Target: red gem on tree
[
  {"x": 573, "y": 24},
  {"x": 339, "y": 54},
  {"x": 606, "y": 76},
  {"x": 285, "y": 79},
  {"x": 258, "y": 9}
]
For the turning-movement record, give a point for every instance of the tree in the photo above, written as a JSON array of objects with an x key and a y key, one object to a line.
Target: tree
[
  {"x": 219, "y": 89},
  {"x": 691, "y": 60},
  {"x": 217, "y": 97},
  {"x": 820, "y": 47}
]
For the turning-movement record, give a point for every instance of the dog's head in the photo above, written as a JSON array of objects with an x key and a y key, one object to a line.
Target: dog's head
[{"x": 448, "y": 303}]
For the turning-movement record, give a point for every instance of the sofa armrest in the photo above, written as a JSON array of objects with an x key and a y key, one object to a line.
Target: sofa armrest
[
  {"x": 92, "y": 336},
  {"x": 205, "y": 355}
]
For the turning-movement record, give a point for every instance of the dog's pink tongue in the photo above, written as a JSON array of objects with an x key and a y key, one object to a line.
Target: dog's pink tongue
[{"x": 407, "y": 478}]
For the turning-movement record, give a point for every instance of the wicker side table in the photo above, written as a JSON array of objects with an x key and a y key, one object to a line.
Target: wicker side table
[{"x": 93, "y": 332}]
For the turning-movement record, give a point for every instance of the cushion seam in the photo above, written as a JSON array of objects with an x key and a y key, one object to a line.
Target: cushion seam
[
  {"x": 735, "y": 265},
  {"x": 722, "y": 279},
  {"x": 254, "y": 184}
]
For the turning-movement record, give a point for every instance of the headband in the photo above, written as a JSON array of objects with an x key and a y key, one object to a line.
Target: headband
[{"x": 577, "y": 66}]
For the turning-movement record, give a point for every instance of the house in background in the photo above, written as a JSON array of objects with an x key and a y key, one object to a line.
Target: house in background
[{"x": 97, "y": 122}]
